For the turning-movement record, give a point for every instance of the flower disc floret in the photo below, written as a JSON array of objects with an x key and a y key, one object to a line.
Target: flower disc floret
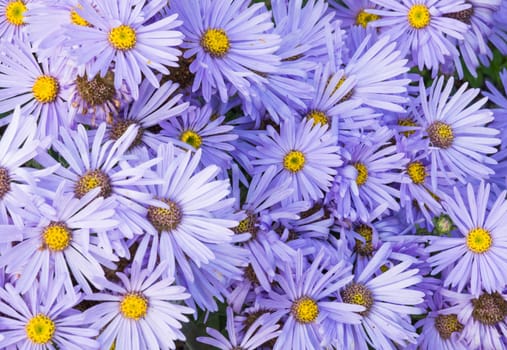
[
  {"x": 5, "y": 182},
  {"x": 134, "y": 306},
  {"x": 78, "y": 20},
  {"x": 294, "y": 161},
  {"x": 40, "y": 329},
  {"x": 192, "y": 138},
  {"x": 318, "y": 117},
  {"x": 14, "y": 12},
  {"x": 93, "y": 179},
  {"x": 489, "y": 309},
  {"x": 364, "y": 248},
  {"x": 417, "y": 172},
  {"x": 363, "y": 18},
  {"x": 119, "y": 128},
  {"x": 362, "y": 173},
  {"x": 441, "y": 134},
  {"x": 56, "y": 236},
  {"x": 356, "y": 293},
  {"x": 97, "y": 91},
  {"x": 419, "y": 16},
  {"x": 305, "y": 310},
  {"x": 447, "y": 324},
  {"x": 215, "y": 42},
  {"x": 45, "y": 89},
  {"x": 479, "y": 240},
  {"x": 165, "y": 219},
  {"x": 122, "y": 37}
]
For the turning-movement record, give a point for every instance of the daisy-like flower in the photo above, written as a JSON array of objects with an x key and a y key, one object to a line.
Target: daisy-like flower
[
  {"x": 254, "y": 337},
  {"x": 304, "y": 300},
  {"x": 477, "y": 258},
  {"x": 43, "y": 318},
  {"x": 229, "y": 44},
  {"x": 373, "y": 167},
  {"x": 186, "y": 221},
  {"x": 388, "y": 301},
  {"x": 200, "y": 129},
  {"x": 153, "y": 107},
  {"x": 306, "y": 154},
  {"x": 38, "y": 90},
  {"x": 126, "y": 34},
  {"x": 420, "y": 27},
  {"x": 12, "y": 19},
  {"x": 18, "y": 145},
  {"x": 459, "y": 140},
  {"x": 61, "y": 242},
  {"x": 143, "y": 312}
]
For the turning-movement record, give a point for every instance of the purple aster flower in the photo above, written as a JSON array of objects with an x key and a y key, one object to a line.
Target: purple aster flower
[
  {"x": 12, "y": 19},
  {"x": 373, "y": 167},
  {"x": 228, "y": 43},
  {"x": 123, "y": 33},
  {"x": 459, "y": 140},
  {"x": 476, "y": 258},
  {"x": 200, "y": 129},
  {"x": 304, "y": 301},
  {"x": 192, "y": 213},
  {"x": 62, "y": 242},
  {"x": 39, "y": 90},
  {"x": 484, "y": 318},
  {"x": 421, "y": 27},
  {"x": 254, "y": 337},
  {"x": 305, "y": 154},
  {"x": 388, "y": 301},
  {"x": 143, "y": 311},
  {"x": 43, "y": 318}
]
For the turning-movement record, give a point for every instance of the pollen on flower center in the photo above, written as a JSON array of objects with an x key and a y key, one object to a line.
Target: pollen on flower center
[
  {"x": 489, "y": 309},
  {"x": 358, "y": 294},
  {"x": 119, "y": 128},
  {"x": 215, "y": 42},
  {"x": 305, "y": 310},
  {"x": 122, "y": 37},
  {"x": 447, "y": 324},
  {"x": 93, "y": 179},
  {"x": 248, "y": 224},
  {"x": 419, "y": 16},
  {"x": 479, "y": 240},
  {"x": 45, "y": 89},
  {"x": 14, "y": 12},
  {"x": 417, "y": 172},
  {"x": 363, "y": 18},
  {"x": 192, "y": 138},
  {"x": 317, "y": 116},
  {"x": 40, "y": 329},
  {"x": 294, "y": 161},
  {"x": 56, "y": 236},
  {"x": 77, "y": 19},
  {"x": 362, "y": 173},
  {"x": 165, "y": 219},
  {"x": 134, "y": 306},
  {"x": 441, "y": 134},
  {"x": 364, "y": 248},
  {"x": 5, "y": 182}
]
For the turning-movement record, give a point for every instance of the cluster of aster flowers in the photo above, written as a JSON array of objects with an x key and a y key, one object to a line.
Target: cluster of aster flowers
[{"x": 318, "y": 173}]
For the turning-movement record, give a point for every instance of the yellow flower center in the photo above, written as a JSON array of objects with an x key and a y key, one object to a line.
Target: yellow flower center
[
  {"x": 362, "y": 173},
  {"x": 318, "y": 117},
  {"x": 294, "y": 161},
  {"x": 56, "y": 236},
  {"x": 447, "y": 324},
  {"x": 40, "y": 329},
  {"x": 165, "y": 219},
  {"x": 122, "y": 37},
  {"x": 192, "y": 138},
  {"x": 407, "y": 122},
  {"x": 14, "y": 12},
  {"x": 134, "y": 306},
  {"x": 419, "y": 16},
  {"x": 441, "y": 134},
  {"x": 479, "y": 240},
  {"x": 363, "y": 18},
  {"x": 366, "y": 232},
  {"x": 77, "y": 19},
  {"x": 417, "y": 172},
  {"x": 248, "y": 225},
  {"x": 45, "y": 89},
  {"x": 358, "y": 294},
  {"x": 305, "y": 310},
  {"x": 215, "y": 42},
  {"x": 93, "y": 179}
]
